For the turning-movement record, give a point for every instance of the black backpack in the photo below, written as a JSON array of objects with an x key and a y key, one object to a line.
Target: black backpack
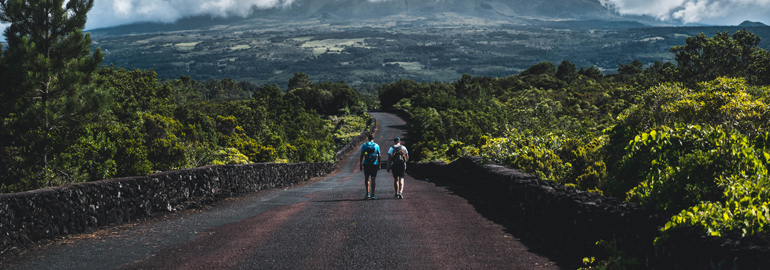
[{"x": 399, "y": 157}]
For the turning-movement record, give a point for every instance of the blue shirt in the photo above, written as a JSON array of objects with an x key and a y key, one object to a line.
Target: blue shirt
[{"x": 366, "y": 147}]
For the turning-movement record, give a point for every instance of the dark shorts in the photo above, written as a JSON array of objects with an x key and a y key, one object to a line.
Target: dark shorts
[
  {"x": 398, "y": 170},
  {"x": 371, "y": 169}
]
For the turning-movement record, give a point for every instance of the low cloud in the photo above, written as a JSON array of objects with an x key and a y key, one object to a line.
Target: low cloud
[
  {"x": 117, "y": 12},
  {"x": 696, "y": 11}
]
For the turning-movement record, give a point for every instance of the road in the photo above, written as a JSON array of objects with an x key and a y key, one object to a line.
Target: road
[{"x": 325, "y": 224}]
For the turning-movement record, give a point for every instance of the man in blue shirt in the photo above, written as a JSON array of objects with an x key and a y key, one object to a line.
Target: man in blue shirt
[{"x": 369, "y": 162}]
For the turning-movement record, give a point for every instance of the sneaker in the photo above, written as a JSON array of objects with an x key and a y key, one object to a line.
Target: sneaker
[
  {"x": 368, "y": 196},
  {"x": 374, "y": 197},
  {"x": 396, "y": 196},
  {"x": 400, "y": 195}
]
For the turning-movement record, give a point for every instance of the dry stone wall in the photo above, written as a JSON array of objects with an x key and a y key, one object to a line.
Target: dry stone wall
[
  {"x": 582, "y": 218},
  {"x": 31, "y": 216},
  {"x": 54, "y": 212}
]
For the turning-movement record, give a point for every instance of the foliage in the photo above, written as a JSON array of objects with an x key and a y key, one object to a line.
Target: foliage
[
  {"x": 647, "y": 134},
  {"x": 727, "y": 164},
  {"x": 329, "y": 98},
  {"x": 533, "y": 154},
  {"x": 347, "y": 127},
  {"x": 47, "y": 94},
  {"x": 617, "y": 260},
  {"x": 156, "y": 126},
  {"x": 230, "y": 155},
  {"x": 705, "y": 59},
  {"x": 162, "y": 139},
  {"x": 92, "y": 157}
]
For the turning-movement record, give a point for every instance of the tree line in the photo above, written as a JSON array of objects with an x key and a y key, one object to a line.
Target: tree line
[
  {"x": 687, "y": 138},
  {"x": 65, "y": 118}
]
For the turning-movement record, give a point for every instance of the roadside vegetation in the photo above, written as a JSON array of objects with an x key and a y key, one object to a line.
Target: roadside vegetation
[
  {"x": 688, "y": 138},
  {"x": 64, "y": 118}
]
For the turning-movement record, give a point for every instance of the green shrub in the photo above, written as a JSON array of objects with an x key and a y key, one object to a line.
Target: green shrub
[
  {"x": 532, "y": 154},
  {"x": 91, "y": 157},
  {"x": 165, "y": 149}
]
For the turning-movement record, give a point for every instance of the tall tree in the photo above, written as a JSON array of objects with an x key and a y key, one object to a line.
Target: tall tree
[
  {"x": 724, "y": 55},
  {"x": 50, "y": 65},
  {"x": 299, "y": 80},
  {"x": 567, "y": 71}
]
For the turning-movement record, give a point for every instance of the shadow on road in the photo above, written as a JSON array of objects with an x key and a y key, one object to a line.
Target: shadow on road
[
  {"x": 354, "y": 200},
  {"x": 539, "y": 239}
]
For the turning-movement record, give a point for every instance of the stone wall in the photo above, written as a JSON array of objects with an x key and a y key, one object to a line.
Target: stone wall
[
  {"x": 49, "y": 213},
  {"x": 582, "y": 218}
]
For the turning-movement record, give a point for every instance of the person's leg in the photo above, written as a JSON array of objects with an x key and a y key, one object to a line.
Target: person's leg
[
  {"x": 395, "y": 184},
  {"x": 373, "y": 184},
  {"x": 400, "y": 185},
  {"x": 366, "y": 183}
]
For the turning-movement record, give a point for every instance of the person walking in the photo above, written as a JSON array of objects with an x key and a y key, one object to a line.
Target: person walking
[
  {"x": 397, "y": 158},
  {"x": 369, "y": 162}
]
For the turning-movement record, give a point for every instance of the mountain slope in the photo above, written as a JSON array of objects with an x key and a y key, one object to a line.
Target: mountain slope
[{"x": 497, "y": 9}]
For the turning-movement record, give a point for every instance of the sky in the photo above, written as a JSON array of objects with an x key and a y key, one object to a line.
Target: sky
[
  {"x": 718, "y": 12},
  {"x": 116, "y": 12}
]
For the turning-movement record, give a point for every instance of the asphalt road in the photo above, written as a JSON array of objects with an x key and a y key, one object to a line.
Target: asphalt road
[{"x": 325, "y": 224}]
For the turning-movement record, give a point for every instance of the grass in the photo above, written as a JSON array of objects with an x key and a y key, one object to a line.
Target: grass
[
  {"x": 240, "y": 47},
  {"x": 347, "y": 127},
  {"x": 188, "y": 46},
  {"x": 332, "y": 45},
  {"x": 409, "y": 66}
]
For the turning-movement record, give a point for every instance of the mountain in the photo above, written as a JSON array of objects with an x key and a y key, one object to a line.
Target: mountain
[
  {"x": 545, "y": 13},
  {"x": 751, "y": 24},
  {"x": 515, "y": 10}
]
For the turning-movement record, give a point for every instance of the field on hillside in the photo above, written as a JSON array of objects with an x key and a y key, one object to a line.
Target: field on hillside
[{"x": 367, "y": 53}]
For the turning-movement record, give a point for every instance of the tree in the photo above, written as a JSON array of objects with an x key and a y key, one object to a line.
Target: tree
[
  {"x": 542, "y": 68},
  {"x": 567, "y": 71},
  {"x": 50, "y": 80},
  {"x": 391, "y": 93},
  {"x": 705, "y": 59},
  {"x": 591, "y": 72},
  {"x": 299, "y": 80},
  {"x": 633, "y": 68}
]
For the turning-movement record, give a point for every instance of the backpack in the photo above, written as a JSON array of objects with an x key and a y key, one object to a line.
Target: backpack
[
  {"x": 398, "y": 155},
  {"x": 370, "y": 153}
]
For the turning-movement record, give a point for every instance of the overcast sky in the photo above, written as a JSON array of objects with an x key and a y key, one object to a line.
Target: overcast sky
[
  {"x": 720, "y": 12},
  {"x": 116, "y": 12}
]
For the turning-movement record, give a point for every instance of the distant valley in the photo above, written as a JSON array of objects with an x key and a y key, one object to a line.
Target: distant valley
[{"x": 422, "y": 46}]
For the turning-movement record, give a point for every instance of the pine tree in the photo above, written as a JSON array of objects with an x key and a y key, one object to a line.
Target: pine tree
[{"x": 49, "y": 66}]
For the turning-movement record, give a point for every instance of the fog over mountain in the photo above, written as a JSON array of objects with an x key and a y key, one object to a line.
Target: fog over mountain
[
  {"x": 107, "y": 13},
  {"x": 117, "y": 12},
  {"x": 718, "y": 12}
]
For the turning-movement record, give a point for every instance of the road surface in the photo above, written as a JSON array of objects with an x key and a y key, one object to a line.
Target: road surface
[{"x": 325, "y": 224}]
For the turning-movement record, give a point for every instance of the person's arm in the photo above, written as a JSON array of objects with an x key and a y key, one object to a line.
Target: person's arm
[
  {"x": 361, "y": 160},
  {"x": 390, "y": 157}
]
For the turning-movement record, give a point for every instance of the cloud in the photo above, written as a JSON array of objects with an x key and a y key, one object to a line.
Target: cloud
[
  {"x": 696, "y": 11},
  {"x": 116, "y": 12}
]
